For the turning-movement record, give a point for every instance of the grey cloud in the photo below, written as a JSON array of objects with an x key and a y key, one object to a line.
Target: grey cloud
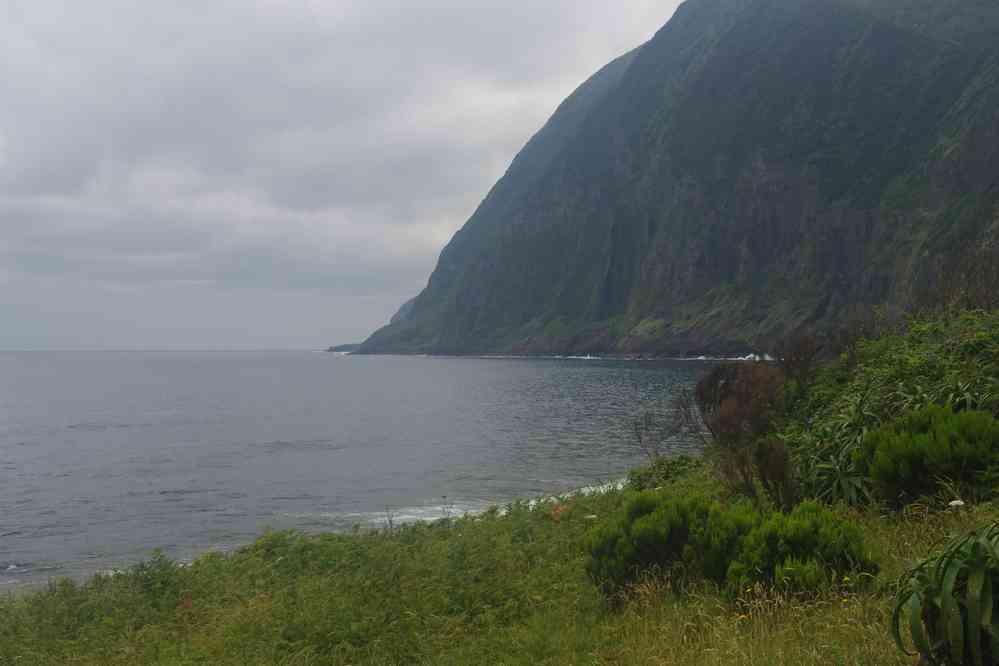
[{"x": 298, "y": 151}]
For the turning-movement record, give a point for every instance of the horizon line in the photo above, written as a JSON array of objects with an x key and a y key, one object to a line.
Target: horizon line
[{"x": 112, "y": 350}]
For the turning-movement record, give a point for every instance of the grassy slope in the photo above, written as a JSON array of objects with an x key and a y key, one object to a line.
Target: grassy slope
[{"x": 506, "y": 587}]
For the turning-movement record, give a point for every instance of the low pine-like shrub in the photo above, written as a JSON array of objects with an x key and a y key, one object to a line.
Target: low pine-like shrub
[
  {"x": 907, "y": 457},
  {"x": 655, "y": 533},
  {"x": 732, "y": 545},
  {"x": 947, "y": 603},
  {"x": 800, "y": 551}
]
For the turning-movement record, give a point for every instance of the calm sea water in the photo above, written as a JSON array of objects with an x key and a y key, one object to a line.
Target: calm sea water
[{"x": 107, "y": 456}]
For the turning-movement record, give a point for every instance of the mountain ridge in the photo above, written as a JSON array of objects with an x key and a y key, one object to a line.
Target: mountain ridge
[{"x": 758, "y": 166}]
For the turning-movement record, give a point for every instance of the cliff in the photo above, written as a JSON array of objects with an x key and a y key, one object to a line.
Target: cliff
[{"x": 758, "y": 166}]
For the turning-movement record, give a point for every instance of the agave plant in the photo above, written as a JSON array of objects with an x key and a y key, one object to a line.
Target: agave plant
[
  {"x": 965, "y": 395},
  {"x": 947, "y": 602},
  {"x": 836, "y": 479},
  {"x": 910, "y": 397},
  {"x": 856, "y": 417},
  {"x": 826, "y": 467},
  {"x": 959, "y": 395}
]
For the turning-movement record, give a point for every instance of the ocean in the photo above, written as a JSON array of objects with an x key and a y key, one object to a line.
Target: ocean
[{"x": 108, "y": 456}]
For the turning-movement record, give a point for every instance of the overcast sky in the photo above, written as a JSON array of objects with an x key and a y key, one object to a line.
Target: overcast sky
[{"x": 262, "y": 174}]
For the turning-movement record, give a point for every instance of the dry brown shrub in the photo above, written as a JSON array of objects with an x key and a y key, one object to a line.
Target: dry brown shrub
[
  {"x": 737, "y": 403},
  {"x": 797, "y": 356}
]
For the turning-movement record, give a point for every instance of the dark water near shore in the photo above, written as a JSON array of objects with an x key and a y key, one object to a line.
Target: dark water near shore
[{"x": 106, "y": 456}]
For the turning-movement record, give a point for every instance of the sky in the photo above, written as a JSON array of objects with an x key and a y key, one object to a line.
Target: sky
[{"x": 262, "y": 174}]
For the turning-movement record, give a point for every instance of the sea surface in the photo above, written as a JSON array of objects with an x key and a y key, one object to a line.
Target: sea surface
[{"x": 105, "y": 457}]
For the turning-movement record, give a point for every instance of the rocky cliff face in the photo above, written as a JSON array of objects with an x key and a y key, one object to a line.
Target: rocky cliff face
[{"x": 758, "y": 166}]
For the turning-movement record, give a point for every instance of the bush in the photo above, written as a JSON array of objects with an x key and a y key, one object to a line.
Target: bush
[
  {"x": 909, "y": 456},
  {"x": 650, "y": 534},
  {"x": 738, "y": 403},
  {"x": 946, "y": 603},
  {"x": 775, "y": 471},
  {"x": 734, "y": 545},
  {"x": 800, "y": 551},
  {"x": 656, "y": 532},
  {"x": 797, "y": 356},
  {"x": 948, "y": 360},
  {"x": 739, "y": 400}
]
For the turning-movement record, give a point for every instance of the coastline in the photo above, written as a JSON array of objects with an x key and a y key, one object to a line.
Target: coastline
[
  {"x": 390, "y": 518},
  {"x": 751, "y": 356}
]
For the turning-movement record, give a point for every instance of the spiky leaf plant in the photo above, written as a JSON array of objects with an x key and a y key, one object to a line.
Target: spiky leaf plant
[{"x": 947, "y": 603}]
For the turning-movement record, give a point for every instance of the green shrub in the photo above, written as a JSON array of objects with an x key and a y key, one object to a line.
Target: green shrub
[
  {"x": 793, "y": 574},
  {"x": 950, "y": 360},
  {"x": 650, "y": 533},
  {"x": 732, "y": 545},
  {"x": 801, "y": 550},
  {"x": 657, "y": 532},
  {"x": 907, "y": 457},
  {"x": 947, "y": 603},
  {"x": 718, "y": 536}
]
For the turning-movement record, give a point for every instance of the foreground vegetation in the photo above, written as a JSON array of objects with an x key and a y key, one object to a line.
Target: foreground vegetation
[
  {"x": 507, "y": 589},
  {"x": 790, "y": 542}
]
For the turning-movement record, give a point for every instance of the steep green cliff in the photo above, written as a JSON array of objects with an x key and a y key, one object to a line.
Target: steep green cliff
[{"x": 757, "y": 166}]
